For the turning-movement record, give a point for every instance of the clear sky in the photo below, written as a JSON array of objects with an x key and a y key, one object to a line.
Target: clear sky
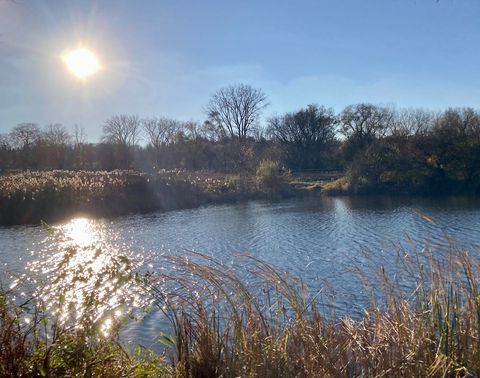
[{"x": 165, "y": 58}]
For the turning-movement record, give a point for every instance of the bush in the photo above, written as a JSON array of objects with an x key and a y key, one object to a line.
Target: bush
[
  {"x": 238, "y": 183},
  {"x": 270, "y": 177}
]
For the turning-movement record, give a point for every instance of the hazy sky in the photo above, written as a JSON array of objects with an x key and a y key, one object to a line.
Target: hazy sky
[{"x": 165, "y": 58}]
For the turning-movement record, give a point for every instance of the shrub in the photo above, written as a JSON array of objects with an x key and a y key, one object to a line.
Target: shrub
[
  {"x": 238, "y": 183},
  {"x": 270, "y": 177}
]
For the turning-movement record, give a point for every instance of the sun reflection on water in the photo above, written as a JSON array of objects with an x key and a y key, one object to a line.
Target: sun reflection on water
[
  {"x": 85, "y": 277},
  {"x": 81, "y": 231}
]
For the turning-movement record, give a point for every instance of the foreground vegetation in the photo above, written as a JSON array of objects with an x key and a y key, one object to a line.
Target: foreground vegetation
[{"x": 252, "y": 320}]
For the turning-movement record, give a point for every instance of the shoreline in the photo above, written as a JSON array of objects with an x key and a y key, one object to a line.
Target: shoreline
[
  {"x": 52, "y": 196},
  {"x": 31, "y": 197}
]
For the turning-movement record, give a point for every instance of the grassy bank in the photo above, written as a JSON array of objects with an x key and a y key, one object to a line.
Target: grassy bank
[
  {"x": 352, "y": 184},
  {"x": 256, "y": 321},
  {"x": 32, "y": 196}
]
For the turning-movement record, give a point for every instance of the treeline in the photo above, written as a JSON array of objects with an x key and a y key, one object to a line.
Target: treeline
[
  {"x": 176, "y": 145},
  {"x": 382, "y": 148}
]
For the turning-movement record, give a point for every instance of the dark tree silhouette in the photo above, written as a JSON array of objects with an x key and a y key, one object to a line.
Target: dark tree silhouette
[
  {"x": 122, "y": 130},
  {"x": 305, "y": 134},
  {"x": 160, "y": 131}
]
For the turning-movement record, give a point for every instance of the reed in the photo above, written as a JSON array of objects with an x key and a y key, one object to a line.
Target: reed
[
  {"x": 250, "y": 319},
  {"x": 33, "y": 196},
  {"x": 266, "y": 325}
]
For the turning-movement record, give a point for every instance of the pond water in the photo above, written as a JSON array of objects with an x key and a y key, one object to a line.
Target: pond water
[{"x": 317, "y": 239}]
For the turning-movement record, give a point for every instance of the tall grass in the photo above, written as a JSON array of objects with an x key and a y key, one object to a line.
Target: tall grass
[
  {"x": 266, "y": 325},
  {"x": 32, "y": 196},
  {"x": 35, "y": 344},
  {"x": 252, "y": 320}
]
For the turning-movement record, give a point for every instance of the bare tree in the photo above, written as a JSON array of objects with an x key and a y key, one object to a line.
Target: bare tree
[
  {"x": 412, "y": 122},
  {"x": 235, "y": 109},
  {"x": 79, "y": 147},
  {"x": 122, "y": 130},
  {"x": 56, "y": 135},
  {"x": 55, "y": 143},
  {"x": 25, "y": 135},
  {"x": 308, "y": 126},
  {"x": 4, "y": 142},
  {"x": 5, "y": 152},
  {"x": 363, "y": 122},
  {"x": 25, "y": 139},
  {"x": 160, "y": 131},
  {"x": 79, "y": 135},
  {"x": 194, "y": 130},
  {"x": 458, "y": 123},
  {"x": 211, "y": 131}
]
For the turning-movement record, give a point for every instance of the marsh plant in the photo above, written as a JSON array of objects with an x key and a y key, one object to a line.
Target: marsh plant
[
  {"x": 257, "y": 321},
  {"x": 249, "y": 319},
  {"x": 70, "y": 326},
  {"x": 271, "y": 177},
  {"x": 32, "y": 196}
]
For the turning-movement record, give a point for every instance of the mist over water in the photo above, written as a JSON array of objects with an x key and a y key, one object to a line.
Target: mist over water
[{"x": 320, "y": 240}]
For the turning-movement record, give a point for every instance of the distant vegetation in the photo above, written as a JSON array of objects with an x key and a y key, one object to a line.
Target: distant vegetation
[
  {"x": 383, "y": 149},
  {"x": 33, "y": 196}
]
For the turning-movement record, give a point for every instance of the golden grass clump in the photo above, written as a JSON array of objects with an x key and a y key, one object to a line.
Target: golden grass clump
[{"x": 340, "y": 186}]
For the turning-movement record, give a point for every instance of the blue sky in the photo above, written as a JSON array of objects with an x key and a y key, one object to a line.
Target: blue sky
[{"x": 165, "y": 58}]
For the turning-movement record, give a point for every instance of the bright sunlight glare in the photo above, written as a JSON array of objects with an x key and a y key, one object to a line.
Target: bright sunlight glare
[
  {"x": 81, "y": 62},
  {"x": 81, "y": 231}
]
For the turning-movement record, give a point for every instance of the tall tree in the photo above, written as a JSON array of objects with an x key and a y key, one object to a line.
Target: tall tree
[
  {"x": 412, "y": 122},
  {"x": 123, "y": 133},
  {"x": 25, "y": 138},
  {"x": 25, "y": 135},
  {"x": 56, "y": 141},
  {"x": 234, "y": 110},
  {"x": 305, "y": 135},
  {"x": 5, "y": 152},
  {"x": 160, "y": 131},
  {"x": 79, "y": 135},
  {"x": 79, "y": 147},
  {"x": 122, "y": 130},
  {"x": 365, "y": 121},
  {"x": 56, "y": 135}
]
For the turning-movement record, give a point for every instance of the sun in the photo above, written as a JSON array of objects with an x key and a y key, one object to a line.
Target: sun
[{"x": 81, "y": 62}]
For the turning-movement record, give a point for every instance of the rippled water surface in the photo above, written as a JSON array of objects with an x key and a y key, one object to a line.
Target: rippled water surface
[{"x": 318, "y": 239}]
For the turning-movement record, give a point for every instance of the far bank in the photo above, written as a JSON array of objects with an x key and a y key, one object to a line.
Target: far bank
[{"x": 29, "y": 197}]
